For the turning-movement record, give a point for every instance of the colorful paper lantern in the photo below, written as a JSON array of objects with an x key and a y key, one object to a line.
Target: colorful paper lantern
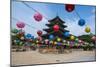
[
  {"x": 22, "y": 38},
  {"x": 21, "y": 43},
  {"x": 21, "y": 33},
  {"x": 58, "y": 39},
  {"x": 93, "y": 38},
  {"x": 37, "y": 41},
  {"x": 68, "y": 42},
  {"x": 81, "y": 22},
  {"x": 87, "y": 29},
  {"x": 64, "y": 41},
  {"x": 33, "y": 44},
  {"x": 76, "y": 39},
  {"x": 38, "y": 17},
  {"x": 66, "y": 34},
  {"x": 51, "y": 37},
  {"x": 70, "y": 46},
  {"x": 51, "y": 42},
  {"x": 39, "y": 32},
  {"x": 28, "y": 35},
  {"x": 13, "y": 34},
  {"x": 14, "y": 31},
  {"x": 17, "y": 41},
  {"x": 59, "y": 43},
  {"x": 20, "y": 24},
  {"x": 39, "y": 38},
  {"x": 69, "y": 7},
  {"x": 71, "y": 42},
  {"x": 46, "y": 41},
  {"x": 72, "y": 37},
  {"x": 14, "y": 41},
  {"x": 56, "y": 27},
  {"x": 80, "y": 41},
  {"x": 55, "y": 42},
  {"x": 76, "y": 44},
  {"x": 42, "y": 42}
]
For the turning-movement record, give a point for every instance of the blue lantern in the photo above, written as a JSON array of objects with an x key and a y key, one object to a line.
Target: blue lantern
[
  {"x": 66, "y": 34},
  {"x": 51, "y": 37},
  {"x": 81, "y": 22},
  {"x": 17, "y": 41},
  {"x": 28, "y": 36}
]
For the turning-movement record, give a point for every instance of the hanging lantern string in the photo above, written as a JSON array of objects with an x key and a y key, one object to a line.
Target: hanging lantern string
[
  {"x": 77, "y": 14},
  {"x": 33, "y": 9},
  {"x": 25, "y": 23}
]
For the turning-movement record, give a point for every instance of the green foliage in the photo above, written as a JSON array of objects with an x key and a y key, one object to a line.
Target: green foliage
[{"x": 86, "y": 38}]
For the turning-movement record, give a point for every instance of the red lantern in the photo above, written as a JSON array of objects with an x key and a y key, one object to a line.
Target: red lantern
[
  {"x": 39, "y": 32},
  {"x": 38, "y": 17},
  {"x": 20, "y": 25},
  {"x": 93, "y": 38},
  {"x": 56, "y": 27},
  {"x": 69, "y": 7},
  {"x": 20, "y": 34},
  {"x": 39, "y": 38}
]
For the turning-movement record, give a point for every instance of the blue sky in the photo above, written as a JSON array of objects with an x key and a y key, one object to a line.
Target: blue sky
[{"x": 51, "y": 10}]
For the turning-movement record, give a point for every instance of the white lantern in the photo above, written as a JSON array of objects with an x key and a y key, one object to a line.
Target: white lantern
[{"x": 22, "y": 38}]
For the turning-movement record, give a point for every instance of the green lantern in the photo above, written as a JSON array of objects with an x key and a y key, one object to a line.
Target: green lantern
[
  {"x": 76, "y": 39},
  {"x": 20, "y": 43},
  {"x": 58, "y": 39},
  {"x": 14, "y": 31}
]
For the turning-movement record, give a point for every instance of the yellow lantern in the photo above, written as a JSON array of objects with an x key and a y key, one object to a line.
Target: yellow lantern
[
  {"x": 58, "y": 39},
  {"x": 33, "y": 44},
  {"x": 87, "y": 29},
  {"x": 55, "y": 42},
  {"x": 72, "y": 37},
  {"x": 51, "y": 41},
  {"x": 37, "y": 41}
]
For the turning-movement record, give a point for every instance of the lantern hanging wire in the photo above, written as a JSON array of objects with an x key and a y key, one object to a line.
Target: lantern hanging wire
[{"x": 34, "y": 9}]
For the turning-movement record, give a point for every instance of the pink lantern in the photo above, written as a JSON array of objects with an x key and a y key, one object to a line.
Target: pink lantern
[
  {"x": 39, "y": 38},
  {"x": 38, "y": 17},
  {"x": 20, "y": 25},
  {"x": 46, "y": 41},
  {"x": 80, "y": 41},
  {"x": 70, "y": 45},
  {"x": 93, "y": 38}
]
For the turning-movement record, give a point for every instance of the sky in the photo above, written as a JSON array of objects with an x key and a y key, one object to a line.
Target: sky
[{"x": 49, "y": 11}]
